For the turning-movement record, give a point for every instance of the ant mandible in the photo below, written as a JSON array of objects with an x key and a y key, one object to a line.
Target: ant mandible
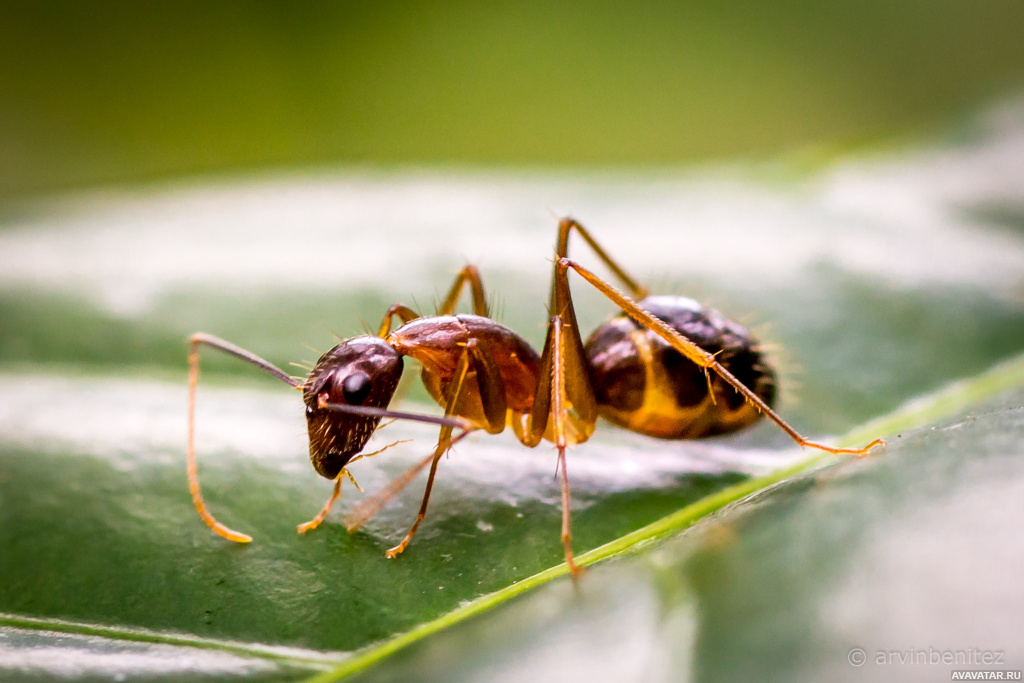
[{"x": 665, "y": 367}]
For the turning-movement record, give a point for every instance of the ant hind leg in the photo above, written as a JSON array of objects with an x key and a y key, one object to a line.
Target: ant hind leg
[{"x": 696, "y": 354}]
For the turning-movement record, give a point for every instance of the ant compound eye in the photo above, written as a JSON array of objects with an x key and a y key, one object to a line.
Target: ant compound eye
[{"x": 356, "y": 388}]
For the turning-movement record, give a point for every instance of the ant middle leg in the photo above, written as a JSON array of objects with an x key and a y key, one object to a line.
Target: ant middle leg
[
  {"x": 699, "y": 356},
  {"x": 560, "y": 417},
  {"x": 560, "y": 413},
  {"x": 469, "y": 275},
  {"x": 564, "y": 406}
]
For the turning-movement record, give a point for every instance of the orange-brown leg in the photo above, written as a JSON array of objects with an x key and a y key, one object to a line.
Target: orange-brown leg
[
  {"x": 567, "y": 225},
  {"x": 469, "y": 275},
  {"x": 558, "y": 414},
  {"x": 336, "y": 493},
  {"x": 364, "y": 511},
  {"x": 195, "y": 342},
  {"x": 551, "y": 409},
  {"x": 486, "y": 375},
  {"x": 435, "y": 457},
  {"x": 696, "y": 354},
  {"x": 564, "y": 407},
  {"x": 322, "y": 515},
  {"x": 402, "y": 311}
]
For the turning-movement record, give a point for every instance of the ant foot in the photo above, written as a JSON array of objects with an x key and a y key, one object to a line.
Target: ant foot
[
  {"x": 308, "y": 526},
  {"x": 396, "y": 551}
]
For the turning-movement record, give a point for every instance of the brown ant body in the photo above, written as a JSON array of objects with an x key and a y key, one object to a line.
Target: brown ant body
[{"x": 665, "y": 366}]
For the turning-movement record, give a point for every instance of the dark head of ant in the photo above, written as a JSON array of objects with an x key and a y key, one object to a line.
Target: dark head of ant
[{"x": 363, "y": 371}]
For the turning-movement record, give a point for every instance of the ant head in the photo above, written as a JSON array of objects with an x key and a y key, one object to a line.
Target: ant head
[{"x": 363, "y": 371}]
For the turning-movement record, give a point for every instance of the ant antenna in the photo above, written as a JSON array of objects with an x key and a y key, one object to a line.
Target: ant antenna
[{"x": 369, "y": 411}]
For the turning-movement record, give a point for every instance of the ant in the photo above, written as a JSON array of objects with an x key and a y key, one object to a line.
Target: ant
[{"x": 664, "y": 366}]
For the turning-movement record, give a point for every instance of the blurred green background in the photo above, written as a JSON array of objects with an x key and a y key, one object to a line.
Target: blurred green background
[{"x": 101, "y": 92}]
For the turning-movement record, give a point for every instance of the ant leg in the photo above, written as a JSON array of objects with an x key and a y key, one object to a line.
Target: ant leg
[
  {"x": 335, "y": 495},
  {"x": 491, "y": 390},
  {"x": 435, "y": 457},
  {"x": 696, "y": 354},
  {"x": 565, "y": 226},
  {"x": 564, "y": 340},
  {"x": 564, "y": 405},
  {"x": 564, "y": 401},
  {"x": 471, "y": 276},
  {"x": 443, "y": 444},
  {"x": 195, "y": 342},
  {"x": 365, "y": 511},
  {"x": 558, "y": 411},
  {"x": 468, "y": 275},
  {"x": 402, "y": 311},
  {"x": 490, "y": 386},
  {"x": 579, "y": 393}
]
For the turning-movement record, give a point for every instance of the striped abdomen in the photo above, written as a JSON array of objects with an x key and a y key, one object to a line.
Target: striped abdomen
[{"x": 645, "y": 385}]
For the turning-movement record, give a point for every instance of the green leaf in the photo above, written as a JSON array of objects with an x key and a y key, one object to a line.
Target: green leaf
[
  {"x": 98, "y": 537},
  {"x": 69, "y": 649},
  {"x": 677, "y": 573}
]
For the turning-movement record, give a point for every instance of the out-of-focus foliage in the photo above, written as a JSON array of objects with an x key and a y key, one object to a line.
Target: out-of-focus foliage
[{"x": 119, "y": 90}]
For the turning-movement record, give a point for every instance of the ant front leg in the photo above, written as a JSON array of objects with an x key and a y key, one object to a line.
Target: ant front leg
[
  {"x": 195, "y": 342},
  {"x": 696, "y": 354},
  {"x": 365, "y": 511},
  {"x": 322, "y": 515},
  {"x": 492, "y": 395},
  {"x": 336, "y": 493}
]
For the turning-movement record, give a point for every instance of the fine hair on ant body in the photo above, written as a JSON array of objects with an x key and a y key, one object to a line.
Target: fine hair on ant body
[{"x": 664, "y": 366}]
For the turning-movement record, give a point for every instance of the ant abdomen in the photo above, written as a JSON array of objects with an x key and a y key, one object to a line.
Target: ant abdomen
[{"x": 645, "y": 385}]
